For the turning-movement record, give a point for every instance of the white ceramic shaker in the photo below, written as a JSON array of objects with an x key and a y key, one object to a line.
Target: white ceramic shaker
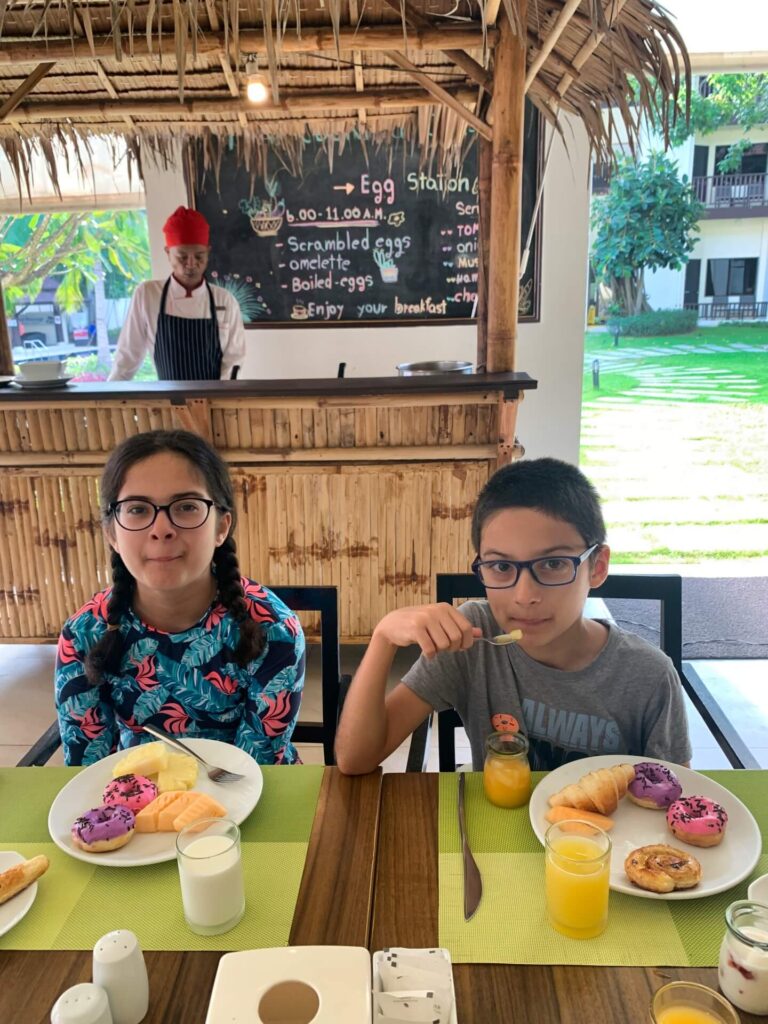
[
  {"x": 82, "y": 1004},
  {"x": 119, "y": 968}
]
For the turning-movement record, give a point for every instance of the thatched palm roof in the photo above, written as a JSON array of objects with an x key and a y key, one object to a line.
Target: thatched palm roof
[{"x": 156, "y": 70}]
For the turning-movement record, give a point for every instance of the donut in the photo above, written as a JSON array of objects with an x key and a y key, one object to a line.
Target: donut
[
  {"x": 132, "y": 791},
  {"x": 104, "y": 828},
  {"x": 654, "y": 786},
  {"x": 697, "y": 820},
  {"x": 662, "y": 868}
]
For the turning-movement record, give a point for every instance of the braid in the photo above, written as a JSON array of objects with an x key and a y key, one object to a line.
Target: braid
[
  {"x": 105, "y": 655},
  {"x": 231, "y": 595}
]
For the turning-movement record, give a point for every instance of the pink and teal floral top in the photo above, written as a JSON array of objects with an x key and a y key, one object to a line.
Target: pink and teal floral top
[{"x": 187, "y": 684}]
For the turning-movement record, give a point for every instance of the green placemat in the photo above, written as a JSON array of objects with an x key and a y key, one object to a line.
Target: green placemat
[
  {"x": 78, "y": 902},
  {"x": 510, "y": 925}
]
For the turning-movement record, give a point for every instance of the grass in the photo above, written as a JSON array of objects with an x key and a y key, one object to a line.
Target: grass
[{"x": 677, "y": 444}]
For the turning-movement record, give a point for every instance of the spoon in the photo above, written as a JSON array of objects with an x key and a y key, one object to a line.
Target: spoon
[{"x": 503, "y": 638}]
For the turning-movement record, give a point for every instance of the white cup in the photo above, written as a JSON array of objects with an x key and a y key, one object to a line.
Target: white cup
[
  {"x": 758, "y": 890},
  {"x": 119, "y": 968},
  {"x": 211, "y": 875},
  {"x": 82, "y": 1004}
]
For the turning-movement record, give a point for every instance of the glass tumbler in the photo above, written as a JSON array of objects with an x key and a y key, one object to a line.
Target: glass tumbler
[
  {"x": 686, "y": 1002},
  {"x": 506, "y": 773},
  {"x": 577, "y": 873},
  {"x": 211, "y": 875},
  {"x": 743, "y": 970}
]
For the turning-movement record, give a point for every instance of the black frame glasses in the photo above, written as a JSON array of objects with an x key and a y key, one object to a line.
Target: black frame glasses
[
  {"x": 115, "y": 508},
  {"x": 530, "y": 565}
]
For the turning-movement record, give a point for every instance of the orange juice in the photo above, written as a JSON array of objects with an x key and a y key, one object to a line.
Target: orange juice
[
  {"x": 507, "y": 782},
  {"x": 686, "y": 1015},
  {"x": 577, "y": 873},
  {"x": 506, "y": 773}
]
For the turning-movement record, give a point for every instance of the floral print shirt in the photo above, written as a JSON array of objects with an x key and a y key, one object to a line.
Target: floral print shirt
[{"x": 187, "y": 684}]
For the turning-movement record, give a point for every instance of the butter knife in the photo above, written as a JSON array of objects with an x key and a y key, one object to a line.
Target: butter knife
[{"x": 473, "y": 883}]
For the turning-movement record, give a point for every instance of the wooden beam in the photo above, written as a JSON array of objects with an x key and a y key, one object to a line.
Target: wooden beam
[
  {"x": 492, "y": 11},
  {"x": 320, "y": 99},
  {"x": 484, "y": 172},
  {"x": 312, "y": 40},
  {"x": 357, "y": 60},
  {"x": 213, "y": 18},
  {"x": 612, "y": 10},
  {"x": 554, "y": 57},
  {"x": 440, "y": 93},
  {"x": 110, "y": 89},
  {"x": 26, "y": 86},
  {"x": 506, "y": 196},
  {"x": 229, "y": 77},
  {"x": 6, "y": 356},
  {"x": 548, "y": 46}
]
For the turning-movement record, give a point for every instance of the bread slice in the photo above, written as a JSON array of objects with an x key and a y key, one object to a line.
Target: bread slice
[{"x": 21, "y": 875}]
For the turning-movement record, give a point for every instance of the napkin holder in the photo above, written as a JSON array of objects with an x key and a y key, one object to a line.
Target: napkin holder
[{"x": 293, "y": 985}]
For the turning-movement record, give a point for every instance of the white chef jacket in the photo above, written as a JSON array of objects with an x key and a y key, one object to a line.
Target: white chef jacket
[{"x": 137, "y": 336}]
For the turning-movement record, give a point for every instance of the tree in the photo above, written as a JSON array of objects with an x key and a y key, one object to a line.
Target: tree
[
  {"x": 73, "y": 247},
  {"x": 645, "y": 221},
  {"x": 737, "y": 99}
]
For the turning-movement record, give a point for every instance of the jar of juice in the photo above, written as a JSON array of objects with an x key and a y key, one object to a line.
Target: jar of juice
[
  {"x": 743, "y": 969},
  {"x": 507, "y": 774},
  {"x": 687, "y": 1002}
]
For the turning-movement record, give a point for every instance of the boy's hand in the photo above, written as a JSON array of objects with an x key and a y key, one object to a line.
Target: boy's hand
[{"x": 434, "y": 627}]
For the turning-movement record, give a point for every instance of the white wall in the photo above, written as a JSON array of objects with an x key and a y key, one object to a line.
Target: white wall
[{"x": 551, "y": 350}]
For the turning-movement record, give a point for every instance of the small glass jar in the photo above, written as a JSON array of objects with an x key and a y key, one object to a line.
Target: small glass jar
[
  {"x": 743, "y": 969},
  {"x": 506, "y": 773},
  {"x": 687, "y": 1002}
]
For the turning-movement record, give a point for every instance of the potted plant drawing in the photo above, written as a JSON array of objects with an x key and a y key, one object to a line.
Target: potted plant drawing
[
  {"x": 387, "y": 266},
  {"x": 266, "y": 215}
]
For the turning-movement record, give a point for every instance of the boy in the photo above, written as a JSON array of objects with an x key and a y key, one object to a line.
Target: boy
[{"x": 576, "y": 687}]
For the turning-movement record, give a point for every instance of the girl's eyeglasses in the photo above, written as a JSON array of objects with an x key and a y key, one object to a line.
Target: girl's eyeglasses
[
  {"x": 550, "y": 571},
  {"x": 185, "y": 513}
]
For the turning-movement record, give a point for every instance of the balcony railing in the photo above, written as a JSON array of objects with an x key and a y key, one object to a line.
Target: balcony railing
[
  {"x": 732, "y": 191},
  {"x": 717, "y": 310}
]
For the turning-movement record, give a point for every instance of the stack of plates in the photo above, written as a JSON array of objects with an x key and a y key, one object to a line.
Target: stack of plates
[{"x": 46, "y": 383}]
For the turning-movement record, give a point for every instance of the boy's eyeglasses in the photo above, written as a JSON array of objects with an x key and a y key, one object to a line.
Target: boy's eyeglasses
[
  {"x": 185, "y": 513},
  {"x": 550, "y": 571}
]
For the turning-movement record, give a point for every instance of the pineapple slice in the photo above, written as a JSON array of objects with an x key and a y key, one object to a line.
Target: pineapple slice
[
  {"x": 146, "y": 759},
  {"x": 180, "y": 774}
]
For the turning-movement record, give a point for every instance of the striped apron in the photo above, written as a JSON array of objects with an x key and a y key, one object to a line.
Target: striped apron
[{"x": 187, "y": 348}]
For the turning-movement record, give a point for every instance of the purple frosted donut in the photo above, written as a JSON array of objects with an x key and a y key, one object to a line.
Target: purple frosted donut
[
  {"x": 104, "y": 828},
  {"x": 654, "y": 786},
  {"x": 132, "y": 791}
]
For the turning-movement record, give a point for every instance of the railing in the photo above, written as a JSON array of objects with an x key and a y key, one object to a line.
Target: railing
[
  {"x": 730, "y": 310},
  {"x": 720, "y": 191}
]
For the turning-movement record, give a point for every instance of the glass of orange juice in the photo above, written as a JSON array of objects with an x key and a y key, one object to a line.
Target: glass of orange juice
[
  {"x": 506, "y": 773},
  {"x": 577, "y": 871},
  {"x": 686, "y": 1002}
]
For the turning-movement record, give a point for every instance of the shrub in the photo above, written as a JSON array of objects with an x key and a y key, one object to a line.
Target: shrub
[{"x": 656, "y": 324}]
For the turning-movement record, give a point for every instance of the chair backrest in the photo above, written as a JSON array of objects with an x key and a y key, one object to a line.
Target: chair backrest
[
  {"x": 325, "y": 601},
  {"x": 666, "y": 589}
]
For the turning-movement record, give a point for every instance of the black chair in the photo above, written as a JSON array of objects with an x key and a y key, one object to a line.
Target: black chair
[
  {"x": 667, "y": 591},
  {"x": 334, "y": 686}
]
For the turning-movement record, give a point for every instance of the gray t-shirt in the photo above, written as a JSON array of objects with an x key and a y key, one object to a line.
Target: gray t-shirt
[{"x": 628, "y": 701}]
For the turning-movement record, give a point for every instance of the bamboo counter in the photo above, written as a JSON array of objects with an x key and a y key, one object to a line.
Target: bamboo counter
[{"x": 366, "y": 484}]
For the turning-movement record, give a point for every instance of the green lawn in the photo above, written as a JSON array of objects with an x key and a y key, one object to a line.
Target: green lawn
[{"x": 677, "y": 444}]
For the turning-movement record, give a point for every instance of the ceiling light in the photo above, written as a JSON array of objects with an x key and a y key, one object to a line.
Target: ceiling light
[{"x": 256, "y": 88}]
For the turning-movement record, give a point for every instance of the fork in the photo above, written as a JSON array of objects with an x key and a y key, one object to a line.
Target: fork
[
  {"x": 214, "y": 774},
  {"x": 502, "y": 639}
]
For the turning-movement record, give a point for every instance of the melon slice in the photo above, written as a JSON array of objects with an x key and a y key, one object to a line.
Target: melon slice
[
  {"x": 171, "y": 812},
  {"x": 148, "y": 818},
  {"x": 203, "y": 806}
]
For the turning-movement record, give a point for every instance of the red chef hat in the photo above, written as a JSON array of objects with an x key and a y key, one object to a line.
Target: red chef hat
[{"x": 186, "y": 227}]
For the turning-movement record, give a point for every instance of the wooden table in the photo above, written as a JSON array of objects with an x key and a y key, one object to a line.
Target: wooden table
[
  {"x": 334, "y": 908},
  {"x": 406, "y": 914}
]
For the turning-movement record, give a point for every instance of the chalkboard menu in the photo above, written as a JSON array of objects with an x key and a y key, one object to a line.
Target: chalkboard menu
[{"x": 377, "y": 237}]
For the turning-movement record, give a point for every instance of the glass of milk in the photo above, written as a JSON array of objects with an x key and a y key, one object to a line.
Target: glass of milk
[
  {"x": 211, "y": 874},
  {"x": 743, "y": 969}
]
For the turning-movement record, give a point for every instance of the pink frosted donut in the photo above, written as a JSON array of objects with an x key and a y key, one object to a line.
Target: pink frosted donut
[
  {"x": 104, "y": 828},
  {"x": 697, "y": 820},
  {"x": 132, "y": 791},
  {"x": 654, "y": 786}
]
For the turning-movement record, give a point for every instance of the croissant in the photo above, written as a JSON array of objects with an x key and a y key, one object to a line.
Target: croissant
[
  {"x": 21, "y": 875},
  {"x": 598, "y": 791}
]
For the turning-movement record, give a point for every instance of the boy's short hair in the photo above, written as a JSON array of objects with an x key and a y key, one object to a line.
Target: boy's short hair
[{"x": 556, "y": 488}]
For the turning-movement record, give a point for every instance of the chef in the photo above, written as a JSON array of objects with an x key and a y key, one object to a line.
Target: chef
[{"x": 192, "y": 330}]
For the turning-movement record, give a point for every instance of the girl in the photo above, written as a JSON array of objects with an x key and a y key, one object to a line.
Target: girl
[{"x": 181, "y": 640}]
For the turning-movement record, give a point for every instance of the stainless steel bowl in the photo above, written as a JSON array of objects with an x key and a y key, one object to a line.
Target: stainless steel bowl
[{"x": 434, "y": 366}]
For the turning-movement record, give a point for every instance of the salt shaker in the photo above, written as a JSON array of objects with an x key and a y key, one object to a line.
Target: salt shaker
[
  {"x": 82, "y": 1004},
  {"x": 118, "y": 966}
]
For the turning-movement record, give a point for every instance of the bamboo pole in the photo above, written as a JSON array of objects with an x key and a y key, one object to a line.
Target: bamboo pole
[
  {"x": 548, "y": 46},
  {"x": 6, "y": 356},
  {"x": 484, "y": 172},
  {"x": 506, "y": 197},
  {"x": 312, "y": 40},
  {"x": 310, "y": 99},
  {"x": 612, "y": 11},
  {"x": 26, "y": 86}
]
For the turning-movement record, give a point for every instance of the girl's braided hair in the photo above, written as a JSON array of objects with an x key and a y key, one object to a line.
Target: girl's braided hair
[{"x": 106, "y": 655}]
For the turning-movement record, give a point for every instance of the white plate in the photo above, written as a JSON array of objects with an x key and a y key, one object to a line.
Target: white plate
[
  {"x": 85, "y": 791},
  {"x": 722, "y": 866},
  {"x": 17, "y": 906},
  {"x": 40, "y": 382}
]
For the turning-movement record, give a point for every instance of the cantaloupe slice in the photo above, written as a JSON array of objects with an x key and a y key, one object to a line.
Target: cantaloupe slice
[
  {"x": 171, "y": 812},
  {"x": 147, "y": 820},
  {"x": 203, "y": 807}
]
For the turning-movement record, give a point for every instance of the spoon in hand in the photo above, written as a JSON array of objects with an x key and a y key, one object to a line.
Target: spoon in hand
[{"x": 503, "y": 638}]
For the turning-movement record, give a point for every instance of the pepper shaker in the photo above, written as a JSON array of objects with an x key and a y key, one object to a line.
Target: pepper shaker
[
  {"x": 82, "y": 1004},
  {"x": 118, "y": 966}
]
